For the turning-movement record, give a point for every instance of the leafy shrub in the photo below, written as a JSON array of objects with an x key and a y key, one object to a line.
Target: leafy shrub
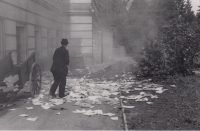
[{"x": 152, "y": 62}]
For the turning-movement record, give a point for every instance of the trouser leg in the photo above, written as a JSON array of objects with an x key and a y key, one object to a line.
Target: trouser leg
[
  {"x": 56, "y": 82},
  {"x": 62, "y": 85}
]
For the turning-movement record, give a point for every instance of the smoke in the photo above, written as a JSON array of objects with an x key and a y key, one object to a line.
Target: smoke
[{"x": 125, "y": 32}]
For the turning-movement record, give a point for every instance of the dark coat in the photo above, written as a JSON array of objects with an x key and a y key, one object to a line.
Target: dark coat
[{"x": 60, "y": 61}]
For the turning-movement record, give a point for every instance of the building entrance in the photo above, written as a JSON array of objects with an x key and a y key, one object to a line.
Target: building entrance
[{"x": 21, "y": 47}]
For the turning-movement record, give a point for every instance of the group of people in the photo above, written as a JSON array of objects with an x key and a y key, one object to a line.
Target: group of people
[{"x": 59, "y": 69}]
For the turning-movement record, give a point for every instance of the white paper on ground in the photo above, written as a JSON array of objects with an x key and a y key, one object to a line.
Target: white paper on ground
[
  {"x": 154, "y": 97},
  {"x": 11, "y": 79},
  {"x": 138, "y": 89},
  {"x": 90, "y": 113},
  {"x": 142, "y": 99},
  {"x": 80, "y": 111},
  {"x": 114, "y": 118},
  {"x": 161, "y": 91},
  {"x": 139, "y": 85},
  {"x": 45, "y": 107},
  {"x": 37, "y": 103},
  {"x": 12, "y": 109},
  {"x": 58, "y": 113},
  {"x": 150, "y": 103},
  {"x": 32, "y": 119},
  {"x": 16, "y": 89},
  {"x": 29, "y": 108},
  {"x": 128, "y": 107},
  {"x": 173, "y": 85},
  {"x": 108, "y": 114},
  {"x": 99, "y": 112},
  {"x": 24, "y": 115},
  {"x": 122, "y": 97},
  {"x": 85, "y": 105},
  {"x": 91, "y": 106}
]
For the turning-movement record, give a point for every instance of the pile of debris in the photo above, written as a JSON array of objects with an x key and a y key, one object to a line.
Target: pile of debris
[
  {"x": 83, "y": 92},
  {"x": 86, "y": 92}
]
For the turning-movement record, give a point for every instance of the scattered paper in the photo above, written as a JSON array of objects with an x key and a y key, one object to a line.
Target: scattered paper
[
  {"x": 11, "y": 79},
  {"x": 9, "y": 105},
  {"x": 150, "y": 103},
  {"x": 108, "y": 114},
  {"x": 128, "y": 107},
  {"x": 161, "y": 91},
  {"x": 142, "y": 99},
  {"x": 90, "y": 113},
  {"x": 91, "y": 106},
  {"x": 12, "y": 109},
  {"x": 29, "y": 108},
  {"x": 88, "y": 93},
  {"x": 138, "y": 89},
  {"x": 24, "y": 115},
  {"x": 98, "y": 112},
  {"x": 85, "y": 105},
  {"x": 79, "y": 111},
  {"x": 15, "y": 90},
  {"x": 114, "y": 118},
  {"x": 45, "y": 107},
  {"x": 173, "y": 85},
  {"x": 32, "y": 119}
]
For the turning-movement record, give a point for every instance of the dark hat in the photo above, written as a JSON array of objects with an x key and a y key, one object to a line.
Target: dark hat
[{"x": 64, "y": 42}]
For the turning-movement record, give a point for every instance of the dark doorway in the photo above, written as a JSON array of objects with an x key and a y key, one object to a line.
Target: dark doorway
[
  {"x": 21, "y": 47},
  {"x": 1, "y": 45},
  {"x": 38, "y": 48}
]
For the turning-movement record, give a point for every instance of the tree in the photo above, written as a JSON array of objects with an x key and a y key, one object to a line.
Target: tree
[
  {"x": 190, "y": 17},
  {"x": 179, "y": 41}
]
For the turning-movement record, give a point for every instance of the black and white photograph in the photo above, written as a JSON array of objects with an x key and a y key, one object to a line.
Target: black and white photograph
[{"x": 100, "y": 65}]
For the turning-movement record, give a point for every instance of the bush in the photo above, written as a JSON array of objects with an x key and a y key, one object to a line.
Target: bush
[
  {"x": 152, "y": 62},
  {"x": 173, "y": 52}
]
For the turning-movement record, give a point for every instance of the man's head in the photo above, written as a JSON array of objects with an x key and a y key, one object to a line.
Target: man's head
[{"x": 64, "y": 42}]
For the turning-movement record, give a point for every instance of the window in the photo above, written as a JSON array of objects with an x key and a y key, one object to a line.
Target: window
[{"x": 1, "y": 37}]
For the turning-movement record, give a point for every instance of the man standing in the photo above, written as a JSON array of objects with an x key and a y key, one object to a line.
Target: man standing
[{"x": 60, "y": 69}]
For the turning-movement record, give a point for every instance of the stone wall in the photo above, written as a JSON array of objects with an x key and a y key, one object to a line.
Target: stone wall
[{"x": 28, "y": 26}]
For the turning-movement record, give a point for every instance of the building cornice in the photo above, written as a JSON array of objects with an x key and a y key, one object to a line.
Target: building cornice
[{"x": 48, "y": 6}]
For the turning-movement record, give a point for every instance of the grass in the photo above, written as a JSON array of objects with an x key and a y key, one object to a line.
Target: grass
[{"x": 175, "y": 109}]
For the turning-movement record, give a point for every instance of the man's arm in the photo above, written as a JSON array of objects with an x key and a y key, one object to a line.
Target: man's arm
[
  {"x": 54, "y": 55},
  {"x": 67, "y": 57}
]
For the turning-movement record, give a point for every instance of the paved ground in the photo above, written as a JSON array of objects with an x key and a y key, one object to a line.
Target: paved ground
[
  {"x": 48, "y": 120},
  {"x": 67, "y": 120}
]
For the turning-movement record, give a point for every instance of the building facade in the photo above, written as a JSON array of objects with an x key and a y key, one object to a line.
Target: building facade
[{"x": 28, "y": 26}]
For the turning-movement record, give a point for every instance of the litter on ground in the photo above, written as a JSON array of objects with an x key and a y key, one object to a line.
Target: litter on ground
[
  {"x": 88, "y": 93},
  {"x": 129, "y": 107},
  {"x": 24, "y": 115},
  {"x": 108, "y": 114},
  {"x": 12, "y": 109},
  {"x": 29, "y": 108},
  {"x": 32, "y": 119},
  {"x": 114, "y": 118},
  {"x": 58, "y": 113}
]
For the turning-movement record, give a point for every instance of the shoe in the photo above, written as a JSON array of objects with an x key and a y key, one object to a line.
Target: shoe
[
  {"x": 62, "y": 96},
  {"x": 66, "y": 94},
  {"x": 52, "y": 94}
]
